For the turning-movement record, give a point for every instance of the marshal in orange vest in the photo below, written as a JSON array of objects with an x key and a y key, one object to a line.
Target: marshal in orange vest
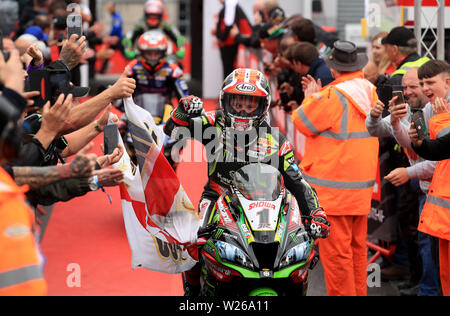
[
  {"x": 435, "y": 218},
  {"x": 20, "y": 260}
]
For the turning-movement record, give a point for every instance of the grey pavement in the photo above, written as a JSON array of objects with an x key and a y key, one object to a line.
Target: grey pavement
[{"x": 317, "y": 285}]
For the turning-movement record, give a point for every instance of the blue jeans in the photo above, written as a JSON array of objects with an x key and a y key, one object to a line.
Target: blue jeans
[{"x": 429, "y": 282}]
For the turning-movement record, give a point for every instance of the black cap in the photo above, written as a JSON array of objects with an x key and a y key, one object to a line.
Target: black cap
[{"x": 399, "y": 36}]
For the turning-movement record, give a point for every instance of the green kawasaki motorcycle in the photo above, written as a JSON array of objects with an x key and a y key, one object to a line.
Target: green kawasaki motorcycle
[{"x": 259, "y": 245}]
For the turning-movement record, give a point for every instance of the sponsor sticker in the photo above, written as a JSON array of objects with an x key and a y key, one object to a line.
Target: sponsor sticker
[{"x": 246, "y": 87}]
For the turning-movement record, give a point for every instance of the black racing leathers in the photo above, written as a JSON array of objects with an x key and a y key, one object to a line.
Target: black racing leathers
[{"x": 227, "y": 151}]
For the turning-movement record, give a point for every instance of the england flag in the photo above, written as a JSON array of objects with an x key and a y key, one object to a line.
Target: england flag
[{"x": 160, "y": 220}]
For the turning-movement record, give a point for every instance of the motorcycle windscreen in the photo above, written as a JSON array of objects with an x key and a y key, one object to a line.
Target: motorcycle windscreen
[
  {"x": 258, "y": 182},
  {"x": 152, "y": 103}
]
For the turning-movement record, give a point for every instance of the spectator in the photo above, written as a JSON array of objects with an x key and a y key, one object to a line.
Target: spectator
[
  {"x": 305, "y": 60},
  {"x": 306, "y": 31},
  {"x": 397, "y": 124},
  {"x": 116, "y": 21},
  {"x": 401, "y": 48},
  {"x": 9, "y": 15},
  {"x": 21, "y": 267},
  {"x": 40, "y": 28},
  {"x": 28, "y": 15},
  {"x": 251, "y": 41},
  {"x": 227, "y": 43},
  {"x": 379, "y": 55},
  {"x": 291, "y": 92},
  {"x": 434, "y": 220},
  {"x": 270, "y": 37},
  {"x": 332, "y": 119},
  {"x": 303, "y": 30}
]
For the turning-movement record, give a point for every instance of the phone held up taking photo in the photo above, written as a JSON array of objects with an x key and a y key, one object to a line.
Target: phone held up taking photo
[
  {"x": 419, "y": 123},
  {"x": 74, "y": 24},
  {"x": 400, "y": 98}
]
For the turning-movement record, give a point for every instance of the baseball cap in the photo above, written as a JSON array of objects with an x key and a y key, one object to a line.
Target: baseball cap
[
  {"x": 399, "y": 36},
  {"x": 37, "y": 32}
]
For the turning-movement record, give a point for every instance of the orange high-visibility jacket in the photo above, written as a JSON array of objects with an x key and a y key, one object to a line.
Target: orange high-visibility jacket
[
  {"x": 341, "y": 158},
  {"x": 435, "y": 218},
  {"x": 20, "y": 260}
]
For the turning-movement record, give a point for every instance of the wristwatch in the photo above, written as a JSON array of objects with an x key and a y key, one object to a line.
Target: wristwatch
[{"x": 93, "y": 183}]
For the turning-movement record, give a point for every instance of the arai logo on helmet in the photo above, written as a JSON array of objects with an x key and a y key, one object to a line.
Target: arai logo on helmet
[{"x": 246, "y": 87}]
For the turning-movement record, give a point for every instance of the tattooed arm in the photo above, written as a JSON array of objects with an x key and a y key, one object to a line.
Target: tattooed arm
[
  {"x": 72, "y": 51},
  {"x": 35, "y": 177}
]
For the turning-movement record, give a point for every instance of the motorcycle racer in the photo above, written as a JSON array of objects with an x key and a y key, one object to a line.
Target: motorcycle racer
[
  {"x": 237, "y": 135},
  {"x": 157, "y": 81},
  {"x": 154, "y": 11},
  {"x": 154, "y": 74}
]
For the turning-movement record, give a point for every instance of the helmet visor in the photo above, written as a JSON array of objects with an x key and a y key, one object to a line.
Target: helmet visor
[{"x": 244, "y": 106}]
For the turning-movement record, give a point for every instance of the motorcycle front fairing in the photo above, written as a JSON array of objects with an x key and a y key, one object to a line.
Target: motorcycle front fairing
[{"x": 261, "y": 237}]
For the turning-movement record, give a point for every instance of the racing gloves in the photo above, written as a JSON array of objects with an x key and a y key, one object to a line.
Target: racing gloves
[
  {"x": 318, "y": 225},
  {"x": 188, "y": 107},
  {"x": 191, "y": 105}
]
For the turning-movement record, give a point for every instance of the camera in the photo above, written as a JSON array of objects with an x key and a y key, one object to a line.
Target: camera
[
  {"x": 51, "y": 82},
  {"x": 399, "y": 95}
]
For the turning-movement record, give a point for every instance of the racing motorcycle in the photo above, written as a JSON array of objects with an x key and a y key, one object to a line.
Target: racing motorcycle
[
  {"x": 157, "y": 106},
  {"x": 259, "y": 245}
]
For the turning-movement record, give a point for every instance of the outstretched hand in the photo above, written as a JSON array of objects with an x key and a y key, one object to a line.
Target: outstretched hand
[
  {"x": 83, "y": 164},
  {"x": 114, "y": 157},
  {"x": 109, "y": 177},
  {"x": 124, "y": 86},
  {"x": 72, "y": 51}
]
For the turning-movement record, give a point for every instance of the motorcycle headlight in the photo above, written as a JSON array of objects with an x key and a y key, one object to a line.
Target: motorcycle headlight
[
  {"x": 233, "y": 254},
  {"x": 296, "y": 254}
]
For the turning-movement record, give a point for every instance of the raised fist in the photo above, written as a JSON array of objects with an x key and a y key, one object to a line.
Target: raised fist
[{"x": 191, "y": 105}]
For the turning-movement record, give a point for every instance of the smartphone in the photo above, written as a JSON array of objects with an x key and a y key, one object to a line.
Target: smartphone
[
  {"x": 419, "y": 122},
  {"x": 111, "y": 138},
  {"x": 400, "y": 97},
  {"x": 74, "y": 25},
  {"x": 74, "y": 30}
]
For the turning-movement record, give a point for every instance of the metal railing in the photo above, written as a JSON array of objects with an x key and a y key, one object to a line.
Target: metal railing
[{"x": 422, "y": 29}]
